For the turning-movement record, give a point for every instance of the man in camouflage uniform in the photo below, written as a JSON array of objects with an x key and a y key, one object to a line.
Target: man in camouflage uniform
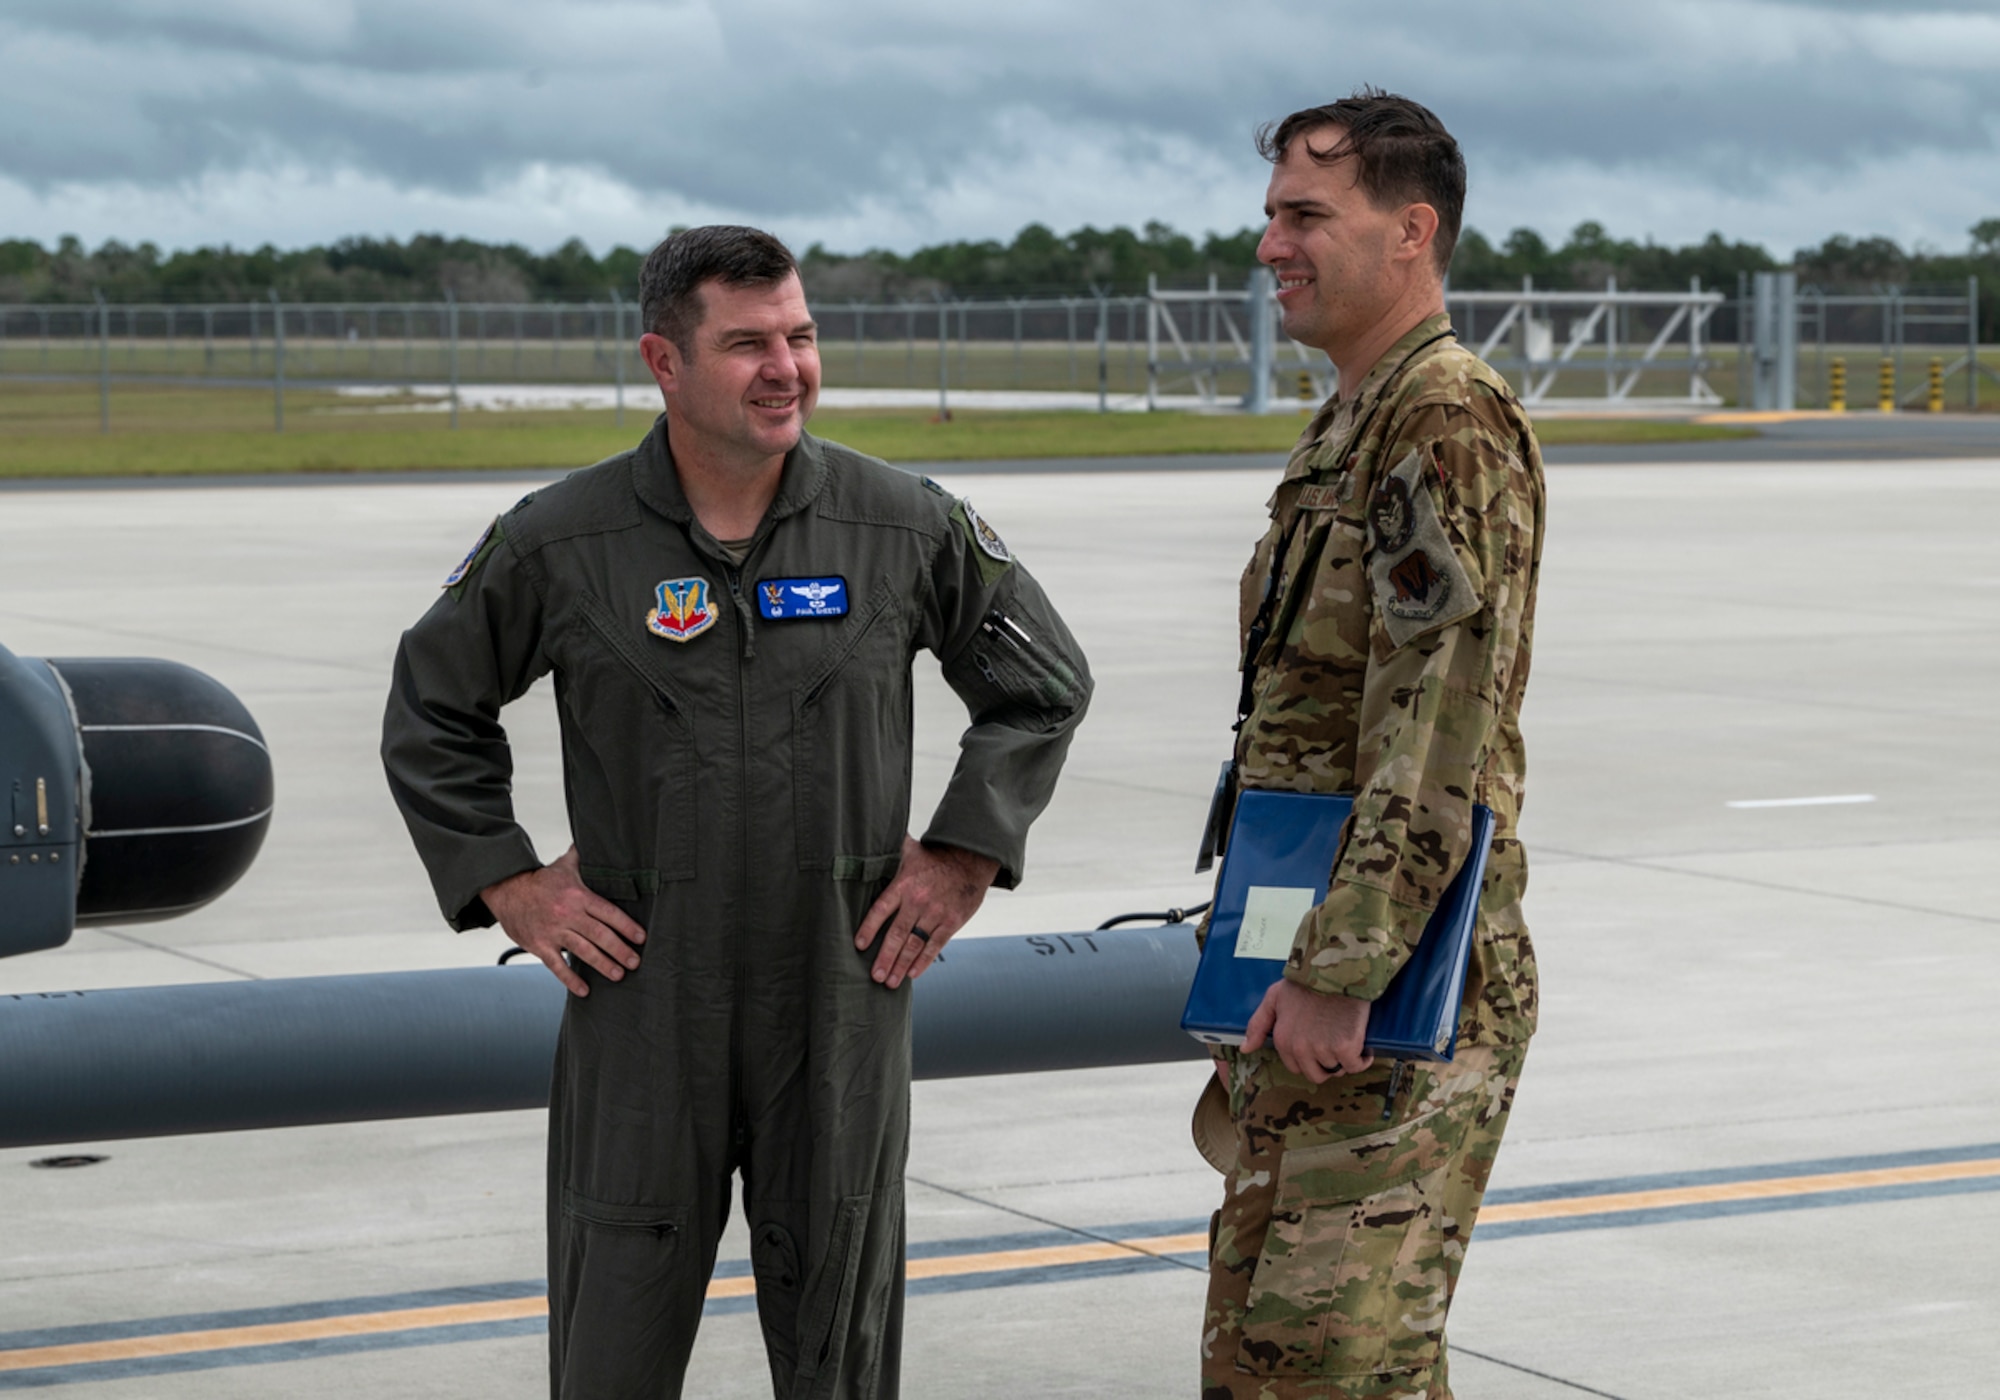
[{"x": 1405, "y": 538}]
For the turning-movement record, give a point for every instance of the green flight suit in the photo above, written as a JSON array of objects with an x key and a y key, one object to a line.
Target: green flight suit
[{"x": 740, "y": 785}]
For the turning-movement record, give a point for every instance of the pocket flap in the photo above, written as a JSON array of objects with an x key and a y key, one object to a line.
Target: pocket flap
[
  {"x": 865, "y": 868},
  {"x": 1353, "y": 1169},
  {"x": 660, "y": 1219}
]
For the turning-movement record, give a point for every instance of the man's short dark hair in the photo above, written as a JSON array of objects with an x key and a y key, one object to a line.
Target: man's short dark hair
[
  {"x": 1403, "y": 153},
  {"x": 670, "y": 282}
]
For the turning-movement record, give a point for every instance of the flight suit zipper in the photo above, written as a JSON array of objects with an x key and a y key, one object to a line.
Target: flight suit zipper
[{"x": 733, "y": 575}]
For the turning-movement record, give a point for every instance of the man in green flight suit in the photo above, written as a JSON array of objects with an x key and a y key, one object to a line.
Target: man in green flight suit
[
  {"x": 730, "y": 611},
  {"x": 1394, "y": 596}
]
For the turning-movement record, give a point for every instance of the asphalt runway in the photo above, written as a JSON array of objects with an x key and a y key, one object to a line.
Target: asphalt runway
[{"x": 1756, "y": 1147}]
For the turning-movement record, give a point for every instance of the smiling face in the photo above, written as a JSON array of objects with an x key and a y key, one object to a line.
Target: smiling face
[
  {"x": 1344, "y": 265},
  {"x": 748, "y": 381}
]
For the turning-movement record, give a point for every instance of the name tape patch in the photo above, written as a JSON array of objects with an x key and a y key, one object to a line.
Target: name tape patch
[{"x": 782, "y": 598}]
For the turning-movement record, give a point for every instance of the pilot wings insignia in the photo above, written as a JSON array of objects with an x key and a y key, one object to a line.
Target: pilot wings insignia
[{"x": 782, "y": 598}]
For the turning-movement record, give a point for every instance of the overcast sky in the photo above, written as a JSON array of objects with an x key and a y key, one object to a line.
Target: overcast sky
[{"x": 895, "y": 123}]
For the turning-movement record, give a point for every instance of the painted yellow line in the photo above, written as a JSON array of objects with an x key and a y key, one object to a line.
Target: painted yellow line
[
  {"x": 461, "y": 1314},
  {"x": 1730, "y": 417},
  {"x": 272, "y": 1333},
  {"x": 1052, "y": 1256},
  {"x": 961, "y": 1265},
  {"x": 1669, "y": 1197}
]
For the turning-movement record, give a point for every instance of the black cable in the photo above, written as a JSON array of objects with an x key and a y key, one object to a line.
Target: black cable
[{"x": 1171, "y": 916}]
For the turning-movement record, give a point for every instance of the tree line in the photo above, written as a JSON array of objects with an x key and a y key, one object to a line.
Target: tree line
[{"x": 1037, "y": 261}]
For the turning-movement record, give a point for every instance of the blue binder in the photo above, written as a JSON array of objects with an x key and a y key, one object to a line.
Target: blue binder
[{"x": 1275, "y": 867}]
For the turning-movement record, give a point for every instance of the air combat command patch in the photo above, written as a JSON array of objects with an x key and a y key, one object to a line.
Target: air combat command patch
[
  {"x": 683, "y": 611},
  {"x": 781, "y": 598}
]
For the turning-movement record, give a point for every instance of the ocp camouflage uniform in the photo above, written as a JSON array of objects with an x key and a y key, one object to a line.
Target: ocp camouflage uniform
[{"x": 1410, "y": 520}]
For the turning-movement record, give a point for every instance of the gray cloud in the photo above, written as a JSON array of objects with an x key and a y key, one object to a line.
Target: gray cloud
[{"x": 787, "y": 109}]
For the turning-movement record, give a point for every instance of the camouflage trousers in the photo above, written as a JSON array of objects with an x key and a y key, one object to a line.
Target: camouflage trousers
[{"x": 1334, "y": 1257}]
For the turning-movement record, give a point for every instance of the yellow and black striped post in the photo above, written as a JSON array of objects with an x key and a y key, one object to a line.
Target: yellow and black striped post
[
  {"x": 1305, "y": 393},
  {"x": 1934, "y": 395},
  {"x": 1836, "y": 385},
  {"x": 1885, "y": 388}
]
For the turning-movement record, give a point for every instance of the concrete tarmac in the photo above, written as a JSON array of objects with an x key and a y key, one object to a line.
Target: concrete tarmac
[{"x": 1756, "y": 1145}]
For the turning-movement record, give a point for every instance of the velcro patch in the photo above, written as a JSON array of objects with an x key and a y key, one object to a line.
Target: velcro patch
[
  {"x": 1419, "y": 580},
  {"x": 682, "y": 610},
  {"x": 990, "y": 552},
  {"x": 1326, "y": 495},
  {"x": 985, "y": 536},
  {"x": 481, "y": 547},
  {"x": 781, "y": 598}
]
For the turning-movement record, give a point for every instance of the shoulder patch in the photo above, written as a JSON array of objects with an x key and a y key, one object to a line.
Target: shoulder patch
[
  {"x": 985, "y": 536},
  {"x": 475, "y": 556},
  {"x": 933, "y": 486},
  {"x": 989, "y": 552},
  {"x": 1419, "y": 581}
]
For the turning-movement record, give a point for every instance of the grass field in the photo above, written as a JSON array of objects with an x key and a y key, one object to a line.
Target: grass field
[{"x": 52, "y": 430}]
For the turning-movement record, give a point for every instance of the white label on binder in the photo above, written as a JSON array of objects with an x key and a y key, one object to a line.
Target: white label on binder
[{"x": 1271, "y": 915}]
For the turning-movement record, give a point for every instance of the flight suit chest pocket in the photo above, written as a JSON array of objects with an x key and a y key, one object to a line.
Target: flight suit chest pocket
[
  {"x": 1353, "y": 1276},
  {"x": 629, "y": 759},
  {"x": 851, "y": 747}
]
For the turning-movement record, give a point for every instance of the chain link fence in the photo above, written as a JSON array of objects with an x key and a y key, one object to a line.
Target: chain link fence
[{"x": 1207, "y": 347}]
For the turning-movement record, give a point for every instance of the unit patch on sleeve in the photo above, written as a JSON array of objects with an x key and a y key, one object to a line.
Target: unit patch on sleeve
[
  {"x": 1419, "y": 581},
  {"x": 989, "y": 553},
  {"x": 985, "y": 536},
  {"x": 1389, "y": 514},
  {"x": 683, "y": 611},
  {"x": 481, "y": 547},
  {"x": 782, "y": 598}
]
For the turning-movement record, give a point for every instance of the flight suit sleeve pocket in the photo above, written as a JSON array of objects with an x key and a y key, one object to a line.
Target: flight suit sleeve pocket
[
  {"x": 1352, "y": 1276},
  {"x": 1014, "y": 670}
]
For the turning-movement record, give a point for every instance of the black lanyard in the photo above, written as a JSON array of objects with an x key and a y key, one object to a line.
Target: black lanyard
[{"x": 1260, "y": 625}]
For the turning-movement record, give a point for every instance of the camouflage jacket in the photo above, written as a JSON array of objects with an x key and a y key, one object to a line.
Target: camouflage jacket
[{"x": 1411, "y": 518}]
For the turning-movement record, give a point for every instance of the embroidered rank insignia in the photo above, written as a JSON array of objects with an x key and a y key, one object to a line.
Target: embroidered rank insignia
[
  {"x": 985, "y": 536},
  {"x": 684, "y": 611},
  {"x": 472, "y": 556},
  {"x": 782, "y": 598}
]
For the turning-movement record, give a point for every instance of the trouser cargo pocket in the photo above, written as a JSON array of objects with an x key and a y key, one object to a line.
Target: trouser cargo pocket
[
  {"x": 624, "y": 1246},
  {"x": 1353, "y": 1276}
]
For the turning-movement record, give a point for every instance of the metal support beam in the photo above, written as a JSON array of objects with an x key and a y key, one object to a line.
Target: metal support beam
[
  {"x": 95, "y": 1066},
  {"x": 1775, "y": 342},
  {"x": 1263, "y": 332}
]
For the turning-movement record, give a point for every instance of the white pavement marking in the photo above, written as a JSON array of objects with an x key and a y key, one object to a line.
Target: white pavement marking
[
  {"x": 436, "y": 398},
  {"x": 1843, "y": 800}
]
